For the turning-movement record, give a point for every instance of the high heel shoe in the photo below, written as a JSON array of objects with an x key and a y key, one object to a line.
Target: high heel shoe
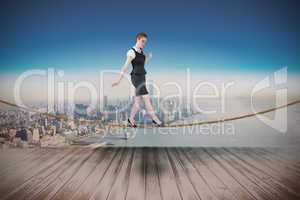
[
  {"x": 157, "y": 124},
  {"x": 131, "y": 124}
]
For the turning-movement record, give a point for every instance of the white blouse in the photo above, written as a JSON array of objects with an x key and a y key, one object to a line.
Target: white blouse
[{"x": 131, "y": 53}]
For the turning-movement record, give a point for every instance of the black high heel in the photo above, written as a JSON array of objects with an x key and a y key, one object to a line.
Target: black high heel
[
  {"x": 131, "y": 124},
  {"x": 159, "y": 125}
]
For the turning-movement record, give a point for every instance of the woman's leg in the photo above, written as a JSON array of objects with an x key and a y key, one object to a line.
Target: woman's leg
[
  {"x": 150, "y": 109},
  {"x": 135, "y": 108}
]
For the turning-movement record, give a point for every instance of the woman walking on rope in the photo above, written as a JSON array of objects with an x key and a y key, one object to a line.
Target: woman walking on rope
[{"x": 137, "y": 58}]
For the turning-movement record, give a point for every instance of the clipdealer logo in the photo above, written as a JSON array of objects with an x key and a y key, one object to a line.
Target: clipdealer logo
[{"x": 277, "y": 81}]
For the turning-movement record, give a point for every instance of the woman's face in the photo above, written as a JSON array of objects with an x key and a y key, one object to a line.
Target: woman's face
[{"x": 141, "y": 42}]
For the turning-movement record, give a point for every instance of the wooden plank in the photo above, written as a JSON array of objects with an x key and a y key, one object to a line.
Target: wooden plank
[
  {"x": 153, "y": 190},
  {"x": 266, "y": 180},
  {"x": 258, "y": 183},
  {"x": 239, "y": 175},
  {"x": 136, "y": 188},
  {"x": 149, "y": 173},
  {"x": 166, "y": 176},
  {"x": 20, "y": 163},
  {"x": 104, "y": 187},
  {"x": 239, "y": 190},
  {"x": 85, "y": 191},
  {"x": 215, "y": 184},
  {"x": 13, "y": 156},
  {"x": 274, "y": 157},
  {"x": 120, "y": 187},
  {"x": 62, "y": 176},
  {"x": 5, "y": 152},
  {"x": 17, "y": 176},
  {"x": 286, "y": 154},
  {"x": 187, "y": 189},
  {"x": 286, "y": 176},
  {"x": 268, "y": 172},
  {"x": 36, "y": 182},
  {"x": 196, "y": 179},
  {"x": 66, "y": 191}
]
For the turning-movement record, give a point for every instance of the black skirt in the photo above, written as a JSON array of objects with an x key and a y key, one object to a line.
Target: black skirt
[{"x": 139, "y": 82}]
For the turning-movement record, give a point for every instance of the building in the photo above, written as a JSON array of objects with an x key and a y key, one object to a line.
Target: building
[{"x": 80, "y": 111}]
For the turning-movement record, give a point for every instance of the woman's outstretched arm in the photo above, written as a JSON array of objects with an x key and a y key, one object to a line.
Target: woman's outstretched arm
[{"x": 124, "y": 70}]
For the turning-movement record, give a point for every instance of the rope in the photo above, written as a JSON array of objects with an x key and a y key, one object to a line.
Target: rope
[
  {"x": 215, "y": 121},
  {"x": 168, "y": 125},
  {"x": 29, "y": 109}
]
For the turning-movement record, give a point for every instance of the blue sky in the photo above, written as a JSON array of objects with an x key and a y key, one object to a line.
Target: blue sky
[{"x": 232, "y": 35}]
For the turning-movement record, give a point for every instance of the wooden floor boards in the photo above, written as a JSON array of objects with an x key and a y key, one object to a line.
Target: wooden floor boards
[{"x": 150, "y": 173}]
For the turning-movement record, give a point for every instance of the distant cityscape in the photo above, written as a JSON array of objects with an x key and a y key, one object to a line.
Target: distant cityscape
[{"x": 81, "y": 119}]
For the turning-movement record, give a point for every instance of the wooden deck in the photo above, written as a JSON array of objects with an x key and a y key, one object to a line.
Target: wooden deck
[{"x": 150, "y": 173}]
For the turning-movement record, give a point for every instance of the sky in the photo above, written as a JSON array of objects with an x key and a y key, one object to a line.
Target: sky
[
  {"x": 224, "y": 36},
  {"x": 218, "y": 41}
]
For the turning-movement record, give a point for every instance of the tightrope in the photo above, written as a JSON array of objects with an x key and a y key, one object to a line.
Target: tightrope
[{"x": 165, "y": 125}]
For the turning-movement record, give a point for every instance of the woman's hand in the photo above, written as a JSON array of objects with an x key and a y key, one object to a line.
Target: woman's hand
[
  {"x": 123, "y": 71},
  {"x": 115, "y": 83}
]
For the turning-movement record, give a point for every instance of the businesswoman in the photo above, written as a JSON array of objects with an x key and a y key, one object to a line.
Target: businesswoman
[{"x": 137, "y": 58}]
